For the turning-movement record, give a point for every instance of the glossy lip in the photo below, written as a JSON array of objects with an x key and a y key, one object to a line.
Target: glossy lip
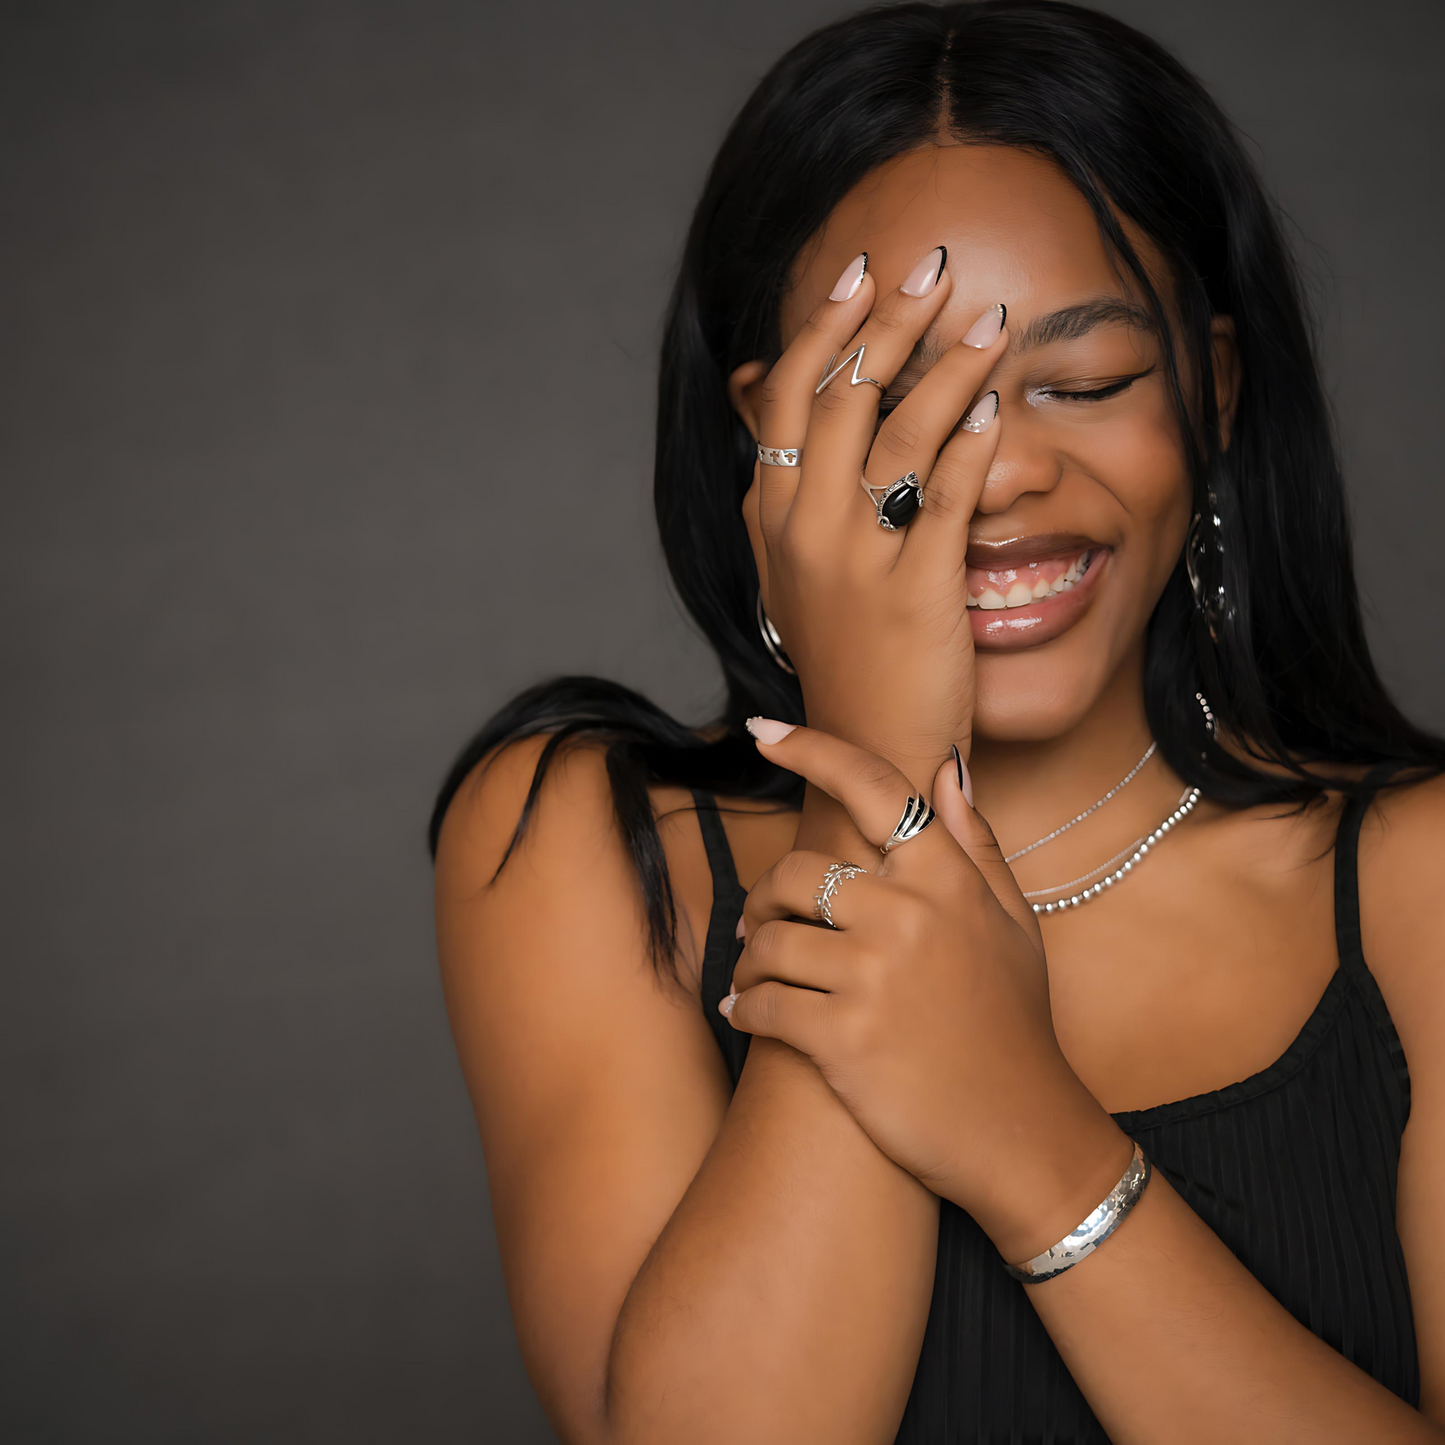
[{"x": 1018, "y": 628}]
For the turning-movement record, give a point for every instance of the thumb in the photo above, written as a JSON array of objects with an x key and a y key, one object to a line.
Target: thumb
[{"x": 953, "y": 802}]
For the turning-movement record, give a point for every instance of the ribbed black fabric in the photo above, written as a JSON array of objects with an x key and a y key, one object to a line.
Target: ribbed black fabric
[{"x": 1294, "y": 1168}]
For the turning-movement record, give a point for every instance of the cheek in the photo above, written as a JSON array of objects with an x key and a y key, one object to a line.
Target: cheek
[{"x": 1143, "y": 465}]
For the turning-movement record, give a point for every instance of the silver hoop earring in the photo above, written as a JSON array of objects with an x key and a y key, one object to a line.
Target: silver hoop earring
[{"x": 772, "y": 641}]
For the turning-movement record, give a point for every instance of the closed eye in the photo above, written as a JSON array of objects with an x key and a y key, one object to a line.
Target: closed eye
[{"x": 1088, "y": 394}]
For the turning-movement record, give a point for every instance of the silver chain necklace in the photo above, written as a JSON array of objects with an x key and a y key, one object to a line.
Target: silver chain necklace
[
  {"x": 1117, "y": 788},
  {"x": 1187, "y": 799}
]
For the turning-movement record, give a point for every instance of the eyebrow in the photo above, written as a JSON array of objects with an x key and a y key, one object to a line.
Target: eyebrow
[
  {"x": 1069, "y": 323},
  {"x": 1072, "y": 322}
]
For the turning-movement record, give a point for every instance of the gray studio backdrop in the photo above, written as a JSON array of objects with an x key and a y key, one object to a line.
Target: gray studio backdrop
[{"x": 294, "y": 295}]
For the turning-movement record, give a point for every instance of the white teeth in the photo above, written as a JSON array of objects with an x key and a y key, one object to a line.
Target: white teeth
[{"x": 1020, "y": 594}]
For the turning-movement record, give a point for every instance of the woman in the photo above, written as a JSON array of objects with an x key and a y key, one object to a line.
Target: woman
[{"x": 990, "y": 444}]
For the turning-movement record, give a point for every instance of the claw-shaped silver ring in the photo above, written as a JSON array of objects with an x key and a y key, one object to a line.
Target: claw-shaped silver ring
[{"x": 917, "y": 815}]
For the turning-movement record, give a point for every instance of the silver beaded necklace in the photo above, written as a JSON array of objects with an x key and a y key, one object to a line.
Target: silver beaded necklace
[
  {"x": 1187, "y": 799},
  {"x": 1093, "y": 808}
]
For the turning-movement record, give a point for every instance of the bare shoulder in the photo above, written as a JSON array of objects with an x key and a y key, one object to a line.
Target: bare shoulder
[
  {"x": 1401, "y": 873},
  {"x": 597, "y": 1085}
]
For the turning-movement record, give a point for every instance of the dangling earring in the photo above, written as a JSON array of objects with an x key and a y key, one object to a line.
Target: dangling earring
[
  {"x": 1206, "y": 710},
  {"x": 772, "y": 641},
  {"x": 1212, "y": 602}
]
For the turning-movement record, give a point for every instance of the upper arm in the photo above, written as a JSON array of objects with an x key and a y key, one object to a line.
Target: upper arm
[
  {"x": 597, "y": 1086},
  {"x": 1402, "y": 870}
]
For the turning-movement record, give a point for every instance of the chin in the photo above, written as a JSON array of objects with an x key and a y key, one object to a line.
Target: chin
[{"x": 1050, "y": 637}]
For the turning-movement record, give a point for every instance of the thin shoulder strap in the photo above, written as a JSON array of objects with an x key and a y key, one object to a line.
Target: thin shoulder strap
[
  {"x": 721, "y": 950},
  {"x": 1347, "y": 869}
]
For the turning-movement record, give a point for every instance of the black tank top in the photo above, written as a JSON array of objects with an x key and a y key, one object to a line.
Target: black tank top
[{"x": 1294, "y": 1168}]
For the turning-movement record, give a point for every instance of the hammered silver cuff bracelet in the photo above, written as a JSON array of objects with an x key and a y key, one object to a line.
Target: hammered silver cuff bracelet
[{"x": 1081, "y": 1242}]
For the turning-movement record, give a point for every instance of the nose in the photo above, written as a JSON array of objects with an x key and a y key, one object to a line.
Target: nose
[{"x": 1024, "y": 462}]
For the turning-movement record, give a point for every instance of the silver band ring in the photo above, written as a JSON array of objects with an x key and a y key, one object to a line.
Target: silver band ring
[
  {"x": 857, "y": 379},
  {"x": 917, "y": 815},
  {"x": 780, "y": 456},
  {"x": 836, "y": 876},
  {"x": 898, "y": 503}
]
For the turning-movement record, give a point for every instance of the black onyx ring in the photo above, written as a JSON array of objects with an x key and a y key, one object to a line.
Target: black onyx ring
[{"x": 897, "y": 503}]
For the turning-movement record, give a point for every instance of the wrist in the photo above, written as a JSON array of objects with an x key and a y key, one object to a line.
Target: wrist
[
  {"x": 916, "y": 752},
  {"x": 1055, "y": 1177}
]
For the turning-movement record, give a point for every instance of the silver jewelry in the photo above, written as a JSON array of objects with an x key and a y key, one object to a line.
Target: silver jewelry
[
  {"x": 1187, "y": 800},
  {"x": 1118, "y": 787},
  {"x": 772, "y": 641},
  {"x": 898, "y": 503},
  {"x": 1097, "y": 1226},
  {"x": 856, "y": 357},
  {"x": 1205, "y": 709},
  {"x": 836, "y": 876},
  {"x": 1209, "y": 595},
  {"x": 780, "y": 456},
  {"x": 917, "y": 815}
]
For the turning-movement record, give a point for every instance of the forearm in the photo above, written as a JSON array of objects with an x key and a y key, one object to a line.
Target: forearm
[
  {"x": 1171, "y": 1338},
  {"x": 786, "y": 1298}
]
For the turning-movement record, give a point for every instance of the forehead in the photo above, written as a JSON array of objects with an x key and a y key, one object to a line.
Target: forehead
[{"x": 1016, "y": 229}]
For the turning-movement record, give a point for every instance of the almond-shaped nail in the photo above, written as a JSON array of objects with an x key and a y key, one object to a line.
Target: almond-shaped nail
[
  {"x": 984, "y": 332},
  {"x": 851, "y": 279},
  {"x": 769, "y": 730},
  {"x": 924, "y": 276},
  {"x": 983, "y": 413},
  {"x": 725, "y": 1006},
  {"x": 965, "y": 782},
  {"x": 741, "y": 929}
]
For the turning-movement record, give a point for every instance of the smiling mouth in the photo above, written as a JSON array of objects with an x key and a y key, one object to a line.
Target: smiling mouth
[
  {"x": 1030, "y": 590},
  {"x": 1003, "y": 589}
]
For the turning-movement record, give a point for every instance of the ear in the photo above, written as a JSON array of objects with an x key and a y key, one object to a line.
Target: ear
[
  {"x": 1226, "y": 375},
  {"x": 743, "y": 387}
]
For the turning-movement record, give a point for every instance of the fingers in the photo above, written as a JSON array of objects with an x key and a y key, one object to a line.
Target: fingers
[
  {"x": 789, "y": 889},
  {"x": 953, "y": 799},
  {"x": 782, "y": 984},
  {"x": 872, "y": 790},
  {"x": 790, "y": 952},
  {"x": 938, "y": 535},
  {"x": 845, "y": 412},
  {"x": 786, "y": 393},
  {"x": 943, "y": 431},
  {"x": 798, "y": 1016}
]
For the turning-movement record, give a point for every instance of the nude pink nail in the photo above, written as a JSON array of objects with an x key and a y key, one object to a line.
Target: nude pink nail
[
  {"x": 983, "y": 414},
  {"x": 984, "y": 332},
  {"x": 924, "y": 276},
  {"x": 741, "y": 930},
  {"x": 769, "y": 730},
  {"x": 725, "y": 1006},
  {"x": 851, "y": 279}
]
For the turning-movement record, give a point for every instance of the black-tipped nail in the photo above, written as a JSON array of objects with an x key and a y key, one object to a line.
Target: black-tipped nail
[
  {"x": 943, "y": 264},
  {"x": 957, "y": 763}
]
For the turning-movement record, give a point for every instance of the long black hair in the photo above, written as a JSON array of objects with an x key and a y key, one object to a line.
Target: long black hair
[{"x": 1280, "y": 654}]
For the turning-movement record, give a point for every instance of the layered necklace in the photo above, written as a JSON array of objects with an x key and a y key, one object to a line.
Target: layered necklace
[{"x": 1096, "y": 880}]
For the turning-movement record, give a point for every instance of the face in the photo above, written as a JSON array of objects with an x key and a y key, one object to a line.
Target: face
[{"x": 1087, "y": 503}]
